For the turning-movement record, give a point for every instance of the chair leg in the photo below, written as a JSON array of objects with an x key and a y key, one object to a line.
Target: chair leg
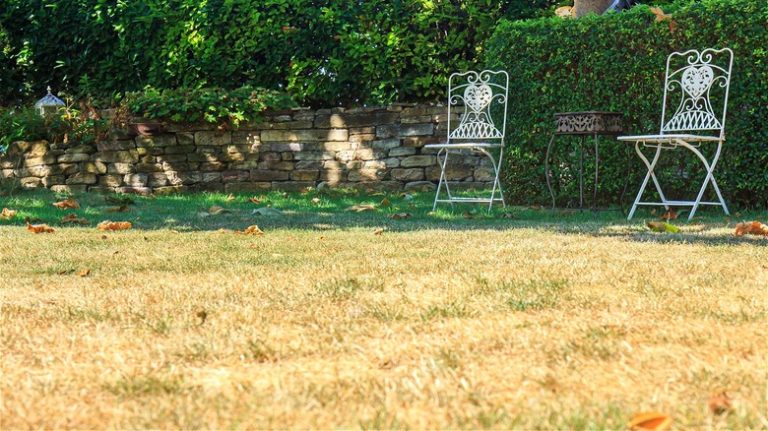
[
  {"x": 442, "y": 177},
  {"x": 496, "y": 181},
  {"x": 649, "y": 176},
  {"x": 597, "y": 167},
  {"x": 710, "y": 177},
  {"x": 547, "y": 171}
]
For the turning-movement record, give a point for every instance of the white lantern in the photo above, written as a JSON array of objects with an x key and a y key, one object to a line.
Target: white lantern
[{"x": 48, "y": 104}]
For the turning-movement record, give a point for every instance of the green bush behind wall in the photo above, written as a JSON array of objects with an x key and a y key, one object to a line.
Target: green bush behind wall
[
  {"x": 324, "y": 52},
  {"x": 616, "y": 62}
]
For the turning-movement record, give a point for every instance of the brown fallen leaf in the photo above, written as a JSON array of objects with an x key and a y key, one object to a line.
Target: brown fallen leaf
[
  {"x": 751, "y": 228},
  {"x": 564, "y": 12},
  {"x": 400, "y": 216},
  {"x": 116, "y": 209},
  {"x": 361, "y": 208},
  {"x": 670, "y": 214},
  {"x": 378, "y": 231},
  {"x": 250, "y": 230},
  {"x": 387, "y": 364},
  {"x": 255, "y": 200},
  {"x": 719, "y": 403},
  {"x": 40, "y": 228},
  {"x": 661, "y": 226},
  {"x": 202, "y": 315},
  {"x": 114, "y": 225},
  {"x": 385, "y": 203},
  {"x": 652, "y": 421},
  {"x": 67, "y": 203},
  {"x": 215, "y": 210},
  {"x": 83, "y": 272},
  {"x": 7, "y": 214},
  {"x": 661, "y": 16},
  {"x": 74, "y": 219}
]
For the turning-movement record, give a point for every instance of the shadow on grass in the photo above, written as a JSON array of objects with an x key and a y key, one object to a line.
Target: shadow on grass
[{"x": 336, "y": 210}]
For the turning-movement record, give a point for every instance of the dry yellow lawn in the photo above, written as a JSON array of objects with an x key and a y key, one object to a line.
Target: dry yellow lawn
[{"x": 510, "y": 327}]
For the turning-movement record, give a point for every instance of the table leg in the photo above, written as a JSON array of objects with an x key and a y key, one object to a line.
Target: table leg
[
  {"x": 597, "y": 164},
  {"x": 581, "y": 172},
  {"x": 628, "y": 162},
  {"x": 547, "y": 172}
]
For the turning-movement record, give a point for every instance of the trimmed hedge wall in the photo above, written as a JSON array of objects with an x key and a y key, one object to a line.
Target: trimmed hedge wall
[{"x": 616, "y": 62}]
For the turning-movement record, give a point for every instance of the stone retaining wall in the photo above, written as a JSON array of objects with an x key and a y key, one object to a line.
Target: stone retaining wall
[{"x": 378, "y": 148}]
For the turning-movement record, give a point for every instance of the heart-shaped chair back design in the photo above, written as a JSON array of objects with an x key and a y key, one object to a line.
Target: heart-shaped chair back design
[
  {"x": 477, "y": 97},
  {"x": 697, "y": 80}
]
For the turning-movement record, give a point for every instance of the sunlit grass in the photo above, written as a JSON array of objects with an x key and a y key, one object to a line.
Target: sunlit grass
[{"x": 518, "y": 318}]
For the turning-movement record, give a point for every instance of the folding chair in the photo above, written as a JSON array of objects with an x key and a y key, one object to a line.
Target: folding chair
[
  {"x": 698, "y": 82},
  {"x": 478, "y": 97}
]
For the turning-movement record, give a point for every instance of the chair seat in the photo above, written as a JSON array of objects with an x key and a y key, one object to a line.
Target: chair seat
[
  {"x": 668, "y": 139},
  {"x": 464, "y": 145}
]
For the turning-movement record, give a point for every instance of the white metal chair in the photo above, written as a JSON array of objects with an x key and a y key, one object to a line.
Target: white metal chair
[
  {"x": 481, "y": 100},
  {"x": 698, "y": 83}
]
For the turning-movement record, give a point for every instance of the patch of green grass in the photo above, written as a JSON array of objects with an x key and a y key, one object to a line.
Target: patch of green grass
[
  {"x": 382, "y": 419},
  {"x": 260, "y": 351},
  {"x": 448, "y": 358},
  {"x": 319, "y": 210},
  {"x": 344, "y": 288},
  {"x": 533, "y": 295},
  {"x": 386, "y": 312},
  {"x": 448, "y": 310},
  {"x": 90, "y": 314},
  {"x": 137, "y": 386}
]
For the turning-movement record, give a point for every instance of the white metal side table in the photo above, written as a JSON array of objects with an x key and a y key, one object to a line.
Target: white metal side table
[{"x": 583, "y": 124}]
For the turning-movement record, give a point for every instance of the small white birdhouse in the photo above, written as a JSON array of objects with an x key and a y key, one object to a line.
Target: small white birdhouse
[{"x": 48, "y": 104}]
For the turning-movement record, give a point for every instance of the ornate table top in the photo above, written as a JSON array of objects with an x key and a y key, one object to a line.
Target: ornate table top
[{"x": 589, "y": 123}]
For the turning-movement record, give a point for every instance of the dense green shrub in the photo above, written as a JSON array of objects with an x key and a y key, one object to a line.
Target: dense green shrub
[
  {"x": 18, "y": 124},
  {"x": 68, "y": 125},
  {"x": 212, "y": 105},
  {"x": 616, "y": 62},
  {"x": 324, "y": 52}
]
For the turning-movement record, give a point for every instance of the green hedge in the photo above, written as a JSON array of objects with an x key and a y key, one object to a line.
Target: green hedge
[
  {"x": 324, "y": 53},
  {"x": 616, "y": 62},
  {"x": 211, "y": 105}
]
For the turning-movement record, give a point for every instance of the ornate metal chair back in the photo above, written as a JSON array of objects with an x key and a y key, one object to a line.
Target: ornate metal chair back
[
  {"x": 696, "y": 91},
  {"x": 480, "y": 99}
]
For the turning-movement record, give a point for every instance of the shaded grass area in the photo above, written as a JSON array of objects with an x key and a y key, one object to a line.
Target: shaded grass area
[
  {"x": 543, "y": 320},
  {"x": 330, "y": 209}
]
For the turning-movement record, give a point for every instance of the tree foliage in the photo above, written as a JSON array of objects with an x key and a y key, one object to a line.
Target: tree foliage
[{"x": 324, "y": 52}]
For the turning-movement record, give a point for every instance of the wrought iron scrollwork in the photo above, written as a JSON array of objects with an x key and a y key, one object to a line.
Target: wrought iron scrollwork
[
  {"x": 477, "y": 94},
  {"x": 575, "y": 123},
  {"x": 694, "y": 81}
]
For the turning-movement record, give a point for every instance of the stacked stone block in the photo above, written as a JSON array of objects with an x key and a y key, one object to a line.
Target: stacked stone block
[{"x": 375, "y": 148}]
